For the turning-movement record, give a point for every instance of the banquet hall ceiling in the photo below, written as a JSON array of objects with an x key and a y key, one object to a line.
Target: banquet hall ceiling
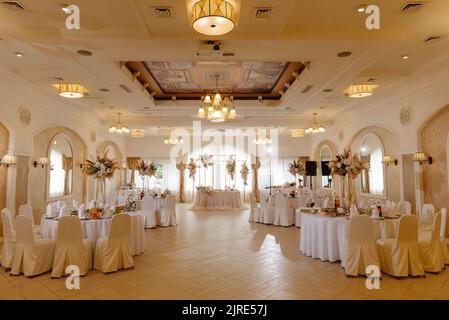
[{"x": 312, "y": 32}]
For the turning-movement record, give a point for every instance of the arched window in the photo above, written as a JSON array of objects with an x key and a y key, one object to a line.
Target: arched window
[
  {"x": 372, "y": 152},
  {"x": 61, "y": 168}
]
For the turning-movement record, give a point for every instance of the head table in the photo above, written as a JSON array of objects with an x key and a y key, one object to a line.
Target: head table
[
  {"x": 96, "y": 229},
  {"x": 217, "y": 200},
  {"x": 324, "y": 237}
]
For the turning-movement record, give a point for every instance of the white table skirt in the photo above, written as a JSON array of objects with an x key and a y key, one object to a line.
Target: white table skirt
[
  {"x": 217, "y": 200},
  {"x": 324, "y": 237},
  {"x": 96, "y": 229}
]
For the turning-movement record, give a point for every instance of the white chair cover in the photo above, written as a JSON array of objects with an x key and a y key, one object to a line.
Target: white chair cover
[
  {"x": 303, "y": 200},
  {"x": 255, "y": 210},
  {"x": 283, "y": 215},
  {"x": 32, "y": 256},
  {"x": 63, "y": 211},
  {"x": 430, "y": 249},
  {"x": 27, "y": 210},
  {"x": 426, "y": 217},
  {"x": 444, "y": 247},
  {"x": 405, "y": 207},
  {"x": 360, "y": 250},
  {"x": 50, "y": 211},
  {"x": 266, "y": 212},
  {"x": 114, "y": 252},
  {"x": 400, "y": 257},
  {"x": 168, "y": 212},
  {"x": 148, "y": 211},
  {"x": 71, "y": 248},
  {"x": 9, "y": 240}
]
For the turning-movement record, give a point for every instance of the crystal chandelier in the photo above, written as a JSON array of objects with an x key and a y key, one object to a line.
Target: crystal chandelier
[
  {"x": 213, "y": 17},
  {"x": 119, "y": 127},
  {"x": 217, "y": 109},
  {"x": 314, "y": 128},
  {"x": 174, "y": 141}
]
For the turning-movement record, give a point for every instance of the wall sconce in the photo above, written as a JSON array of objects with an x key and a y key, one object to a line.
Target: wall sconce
[
  {"x": 42, "y": 162},
  {"x": 421, "y": 158},
  {"x": 8, "y": 161},
  {"x": 387, "y": 160}
]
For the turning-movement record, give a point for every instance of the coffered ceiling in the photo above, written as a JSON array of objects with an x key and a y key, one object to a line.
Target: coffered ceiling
[{"x": 310, "y": 32}]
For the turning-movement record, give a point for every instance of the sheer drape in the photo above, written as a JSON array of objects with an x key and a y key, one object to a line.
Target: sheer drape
[
  {"x": 376, "y": 175},
  {"x": 279, "y": 172},
  {"x": 57, "y": 174}
]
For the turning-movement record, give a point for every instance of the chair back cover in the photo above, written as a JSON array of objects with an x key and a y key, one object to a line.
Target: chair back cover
[
  {"x": 443, "y": 223},
  {"x": 120, "y": 227},
  {"x": 361, "y": 230},
  {"x": 170, "y": 202},
  {"x": 69, "y": 231},
  {"x": 81, "y": 210},
  {"x": 303, "y": 199},
  {"x": 428, "y": 211},
  {"x": 7, "y": 225},
  {"x": 436, "y": 228},
  {"x": 26, "y": 210},
  {"x": 407, "y": 230},
  {"x": 24, "y": 231},
  {"x": 148, "y": 204}
]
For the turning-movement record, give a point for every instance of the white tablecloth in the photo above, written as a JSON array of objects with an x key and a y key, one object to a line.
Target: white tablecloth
[
  {"x": 158, "y": 204},
  {"x": 217, "y": 200},
  {"x": 324, "y": 237},
  {"x": 95, "y": 229}
]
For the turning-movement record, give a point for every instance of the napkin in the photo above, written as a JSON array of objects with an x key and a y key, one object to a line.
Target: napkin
[
  {"x": 353, "y": 210},
  {"x": 81, "y": 211},
  {"x": 375, "y": 213},
  {"x": 49, "y": 212},
  {"x": 75, "y": 204},
  {"x": 62, "y": 211}
]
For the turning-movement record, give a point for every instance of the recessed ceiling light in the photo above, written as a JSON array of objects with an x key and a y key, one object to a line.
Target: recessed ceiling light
[
  {"x": 85, "y": 53},
  {"x": 104, "y": 90},
  {"x": 19, "y": 54},
  {"x": 361, "y": 8},
  {"x": 405, "y": 57},
  {"x": 344, "y": 54}
]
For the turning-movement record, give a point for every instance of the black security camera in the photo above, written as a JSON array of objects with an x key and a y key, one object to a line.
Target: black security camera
[{"x": 217, "y": 47}]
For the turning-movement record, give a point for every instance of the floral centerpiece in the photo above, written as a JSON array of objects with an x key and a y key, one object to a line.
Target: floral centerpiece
[
  {"x": 192, "y": 168},
  {"x": 101, "y": 168},
  {"x": 230, "y": 167},
  {"x": 297, "y": 168},
  {"x": 348, "y": 167},
  {"x": 146, "y": 170},
  {"x": 206, "y": 161},
  {"x": 244, "y": 172}
]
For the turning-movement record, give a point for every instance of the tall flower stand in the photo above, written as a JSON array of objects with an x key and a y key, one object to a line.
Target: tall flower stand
[{"x": 100, "y": 189}]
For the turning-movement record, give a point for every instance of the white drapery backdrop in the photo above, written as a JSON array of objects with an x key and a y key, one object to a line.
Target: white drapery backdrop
[{"x": 219, "y": 175}]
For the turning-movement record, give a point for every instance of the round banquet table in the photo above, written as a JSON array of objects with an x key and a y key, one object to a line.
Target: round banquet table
[
  {"x": 217, "y": 200},
  {"x": 96, "y": 229},
  {"x": 324, "y": 237}
]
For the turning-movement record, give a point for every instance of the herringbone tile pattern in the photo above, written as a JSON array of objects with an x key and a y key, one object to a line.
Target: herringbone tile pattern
[{"x": 220, "y": 255}]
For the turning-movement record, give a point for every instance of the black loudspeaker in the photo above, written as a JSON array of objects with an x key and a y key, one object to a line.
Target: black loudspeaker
[
  {"x": 325, "y": 170},
  {"x": 311, "y": 168}
]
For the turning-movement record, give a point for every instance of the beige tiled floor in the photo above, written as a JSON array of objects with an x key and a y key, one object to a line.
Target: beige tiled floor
[{"x": 219, "y": 255}]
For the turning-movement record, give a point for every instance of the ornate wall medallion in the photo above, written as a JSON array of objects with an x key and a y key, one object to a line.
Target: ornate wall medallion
[
  {"x": 24, "y": 116},
  {"x": 406, "y": 115}
]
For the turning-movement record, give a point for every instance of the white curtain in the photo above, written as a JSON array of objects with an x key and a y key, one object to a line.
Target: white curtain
[
  {"x": 279, "y": 172},
  {"x": 376, "y": 174},
  {"x": 57, "y": 174}
]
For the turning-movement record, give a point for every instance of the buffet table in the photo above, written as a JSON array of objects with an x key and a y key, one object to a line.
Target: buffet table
[
  {"x": 324, "y": 237},
  {"x": 96, "y": 229},
  {"x": 217, "y": 200}
]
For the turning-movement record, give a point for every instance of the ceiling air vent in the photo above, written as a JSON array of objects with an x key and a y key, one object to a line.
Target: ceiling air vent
[
  {"x": 307, "y": 89},
  {"x": 125, "y": 88},
  {"x": 412, "y": 6},
  {"x": 262, "y": 13},
  {"x": 432, "y": 39},
  {"x": 164, "y": 12},
  {"x": 13, "y": 6},
  {"x": 228, "y": 54}
]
